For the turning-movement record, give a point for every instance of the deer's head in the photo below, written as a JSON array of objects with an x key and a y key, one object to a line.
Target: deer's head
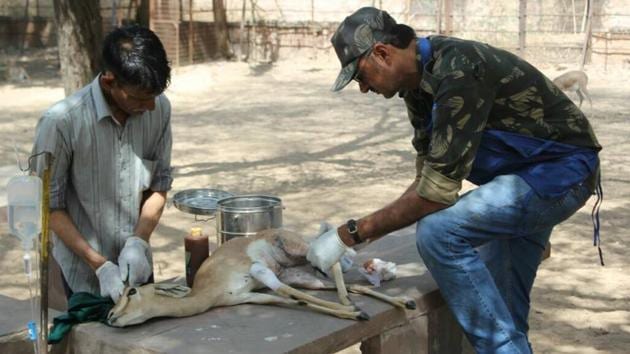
[{"x": 138, "y": 304}]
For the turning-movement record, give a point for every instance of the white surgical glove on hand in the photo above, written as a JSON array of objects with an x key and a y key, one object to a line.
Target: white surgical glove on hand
[
  {"x": 134, "y": 261},
  {"x": 327, "y": 249},
  {"x": 109, "y": 281},
  {"x": 347, "y": 259}
]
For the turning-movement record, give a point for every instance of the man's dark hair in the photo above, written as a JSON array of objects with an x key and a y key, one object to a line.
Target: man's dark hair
[
  {"x": 137, "y": 58},
  {"x": 400, "y": 36}
]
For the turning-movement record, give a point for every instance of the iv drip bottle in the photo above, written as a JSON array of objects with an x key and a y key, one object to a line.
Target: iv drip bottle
[
  {"x": 196, "y": 248},
  {"x": 24, "y": 195}
]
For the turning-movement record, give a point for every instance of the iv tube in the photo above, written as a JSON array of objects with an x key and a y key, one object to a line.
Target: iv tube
[{"x": 24, "y": 195}]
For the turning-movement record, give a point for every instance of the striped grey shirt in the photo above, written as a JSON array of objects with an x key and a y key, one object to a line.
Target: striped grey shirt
[{"x": 99, "y": 172}]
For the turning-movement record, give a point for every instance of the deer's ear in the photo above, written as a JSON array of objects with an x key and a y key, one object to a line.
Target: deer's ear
[{"x": 171, "y": 290}]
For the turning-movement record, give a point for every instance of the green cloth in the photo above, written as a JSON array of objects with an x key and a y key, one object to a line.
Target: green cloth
[{"x": 82, "y": 307}]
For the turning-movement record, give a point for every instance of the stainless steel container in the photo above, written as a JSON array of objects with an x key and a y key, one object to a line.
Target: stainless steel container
[{"x": 245, "y": 215}]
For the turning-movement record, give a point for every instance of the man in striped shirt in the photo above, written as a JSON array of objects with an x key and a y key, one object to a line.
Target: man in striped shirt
[{"x": 110, "y": 144}]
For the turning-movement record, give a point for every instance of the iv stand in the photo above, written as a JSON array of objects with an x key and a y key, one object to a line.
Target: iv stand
[{"x": 44, "y": 256}]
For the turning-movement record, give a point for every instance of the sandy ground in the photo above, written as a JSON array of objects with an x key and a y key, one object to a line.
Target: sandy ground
[{"x": 278, "y": 130}]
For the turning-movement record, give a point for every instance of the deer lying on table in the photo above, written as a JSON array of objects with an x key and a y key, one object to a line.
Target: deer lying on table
[
  {"x": 231, "y": 275},
  {"x": 575, "y": 80}
]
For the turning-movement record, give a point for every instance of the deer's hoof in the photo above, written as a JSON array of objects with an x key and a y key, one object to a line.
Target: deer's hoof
[
  {"x": 410, "y": 305},
  {"x": 363, "y": 316}
]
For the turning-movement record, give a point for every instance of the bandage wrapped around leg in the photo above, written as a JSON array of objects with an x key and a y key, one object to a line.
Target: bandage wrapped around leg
[{"x": 265, "y": 276}]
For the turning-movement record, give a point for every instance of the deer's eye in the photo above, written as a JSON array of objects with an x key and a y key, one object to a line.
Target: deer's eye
[{"x": 132, "y": 291}]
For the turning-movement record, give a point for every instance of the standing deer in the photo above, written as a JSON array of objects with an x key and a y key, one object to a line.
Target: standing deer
[
  {"x": 575, "y": 80},
  {"x": 230, "y": 276},
  {"x": 15, "y": 72}
]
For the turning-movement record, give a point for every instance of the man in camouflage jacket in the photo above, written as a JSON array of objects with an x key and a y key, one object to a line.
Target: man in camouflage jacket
[{"x": 482, "y": 114}]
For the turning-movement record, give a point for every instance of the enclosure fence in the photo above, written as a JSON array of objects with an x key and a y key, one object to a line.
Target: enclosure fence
[{"x": 553, "y": 31}]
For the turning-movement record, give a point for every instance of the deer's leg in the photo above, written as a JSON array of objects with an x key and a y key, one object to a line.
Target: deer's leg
[
  {"x": 262, "y": 298},
  {"x": 293, "y": 293},
  {"x": 315, "y": 303},
  {"x": 398, "y": 301},
  {"x": 342, "y": 292},
  {"x": 264, "y": 275},
  {"x": 270, "y": 299},
  {"x": 579, "y": 93},
  {"x": 351, "y": 315},
  {"x": 587, "y": 94}
]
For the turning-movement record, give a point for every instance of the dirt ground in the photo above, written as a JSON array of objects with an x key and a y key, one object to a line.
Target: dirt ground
[{"x": 277, "y": 129}]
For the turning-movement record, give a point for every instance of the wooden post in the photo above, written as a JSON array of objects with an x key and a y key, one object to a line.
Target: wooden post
[
  {"x": 522, "y": 25},
  {"x": 438, "y": 17},
  {"x": 242, "y": 33},
  {"x": 191, "y": 32},
  {"x": 114, "y": 19},
  {"x": 221, "y": 29},
  {"x": 252, "y": 48},
  {"x": 151, "y": 12},
  {"x": 574, "y": 20},
  {"x": 25, "y": 28},
  {"x": 587, "y": 36},
  {"x": 448, "y": 17},
  {"x": 143, "y": 15},
  {"x": 131, "y": 5},
  {"x": 584, "y": 17}
]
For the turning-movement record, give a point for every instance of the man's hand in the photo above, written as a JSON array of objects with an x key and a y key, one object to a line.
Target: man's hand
[
  {"x": 327, "y": 249},
  {"x": 109, "y": 280},
  {"x": 135, "y": 261}
]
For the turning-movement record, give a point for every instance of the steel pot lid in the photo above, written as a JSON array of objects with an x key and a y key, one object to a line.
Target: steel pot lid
[{"x": 199, "y": 201}]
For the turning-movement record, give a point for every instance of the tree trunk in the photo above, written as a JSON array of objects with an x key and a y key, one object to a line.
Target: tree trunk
[
  {"x": 79, "y": 36},
  {"x": 142, "y": 14},
  {"x": 221, "y": 29}
]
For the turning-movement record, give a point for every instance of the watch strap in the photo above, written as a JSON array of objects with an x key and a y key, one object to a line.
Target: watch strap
[{"x": 353, "y": 230}]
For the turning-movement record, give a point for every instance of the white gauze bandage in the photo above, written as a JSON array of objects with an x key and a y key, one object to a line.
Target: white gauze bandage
[{"x": 265, "y": 276}]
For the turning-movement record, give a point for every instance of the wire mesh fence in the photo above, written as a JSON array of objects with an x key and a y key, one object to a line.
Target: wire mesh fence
[{"x": 265, "y": 30}]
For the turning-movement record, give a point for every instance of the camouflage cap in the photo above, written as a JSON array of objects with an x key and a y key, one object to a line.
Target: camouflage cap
[{"x": 355, "y": 36}]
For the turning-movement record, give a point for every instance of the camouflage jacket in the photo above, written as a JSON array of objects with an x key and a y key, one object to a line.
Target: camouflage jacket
[{"x": 468, "y": 87}]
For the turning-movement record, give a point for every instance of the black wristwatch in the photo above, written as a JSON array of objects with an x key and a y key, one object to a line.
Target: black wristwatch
[{"x": 353, "y": 230}]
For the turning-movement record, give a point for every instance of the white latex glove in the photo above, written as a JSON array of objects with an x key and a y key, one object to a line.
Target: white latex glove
[
  {"x": 327, "y": 249},
  {"x": 109, "y": 280},
  {"x": 347, "y": 259},
  {"x": 134, "y": 261}
]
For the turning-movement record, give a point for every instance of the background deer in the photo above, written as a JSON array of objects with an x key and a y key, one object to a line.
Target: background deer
[
  {"x": 272, "y": 259},
  {"x": 575, "y": 80}
]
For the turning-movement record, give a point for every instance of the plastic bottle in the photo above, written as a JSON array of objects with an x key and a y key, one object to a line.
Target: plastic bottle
[
  {"x": 24, "y": 195},
  {"x": 197, "y": 250}
]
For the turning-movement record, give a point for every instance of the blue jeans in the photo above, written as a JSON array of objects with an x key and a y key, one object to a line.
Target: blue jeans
[{"x": 484, "y": 252}]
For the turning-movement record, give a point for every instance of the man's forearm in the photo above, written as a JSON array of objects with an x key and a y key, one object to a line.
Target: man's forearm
[
  {"x": 407, "y": 209},
  {"x": 64, "y": 228},
  {"x": 150, "y": 214}
]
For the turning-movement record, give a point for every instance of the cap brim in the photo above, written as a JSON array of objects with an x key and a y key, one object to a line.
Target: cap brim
[{"x": 345, "y": 75}]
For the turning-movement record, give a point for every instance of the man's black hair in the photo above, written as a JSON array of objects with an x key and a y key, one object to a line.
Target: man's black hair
[
  {"x": 137, "y": 58},
  {"x": 400, "y": 36}
]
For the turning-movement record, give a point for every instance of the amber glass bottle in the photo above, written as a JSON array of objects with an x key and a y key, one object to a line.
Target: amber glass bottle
[{"x": 196, "y": 248}]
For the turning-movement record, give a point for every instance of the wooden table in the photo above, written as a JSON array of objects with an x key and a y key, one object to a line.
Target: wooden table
[{"x": 273, "y": 329}]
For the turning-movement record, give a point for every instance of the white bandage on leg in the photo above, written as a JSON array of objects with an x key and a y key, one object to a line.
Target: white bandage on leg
[{"x": 265, "y": 276}]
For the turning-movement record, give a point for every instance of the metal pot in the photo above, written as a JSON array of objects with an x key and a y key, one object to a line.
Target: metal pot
[{"x": 245, "y": 215}]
